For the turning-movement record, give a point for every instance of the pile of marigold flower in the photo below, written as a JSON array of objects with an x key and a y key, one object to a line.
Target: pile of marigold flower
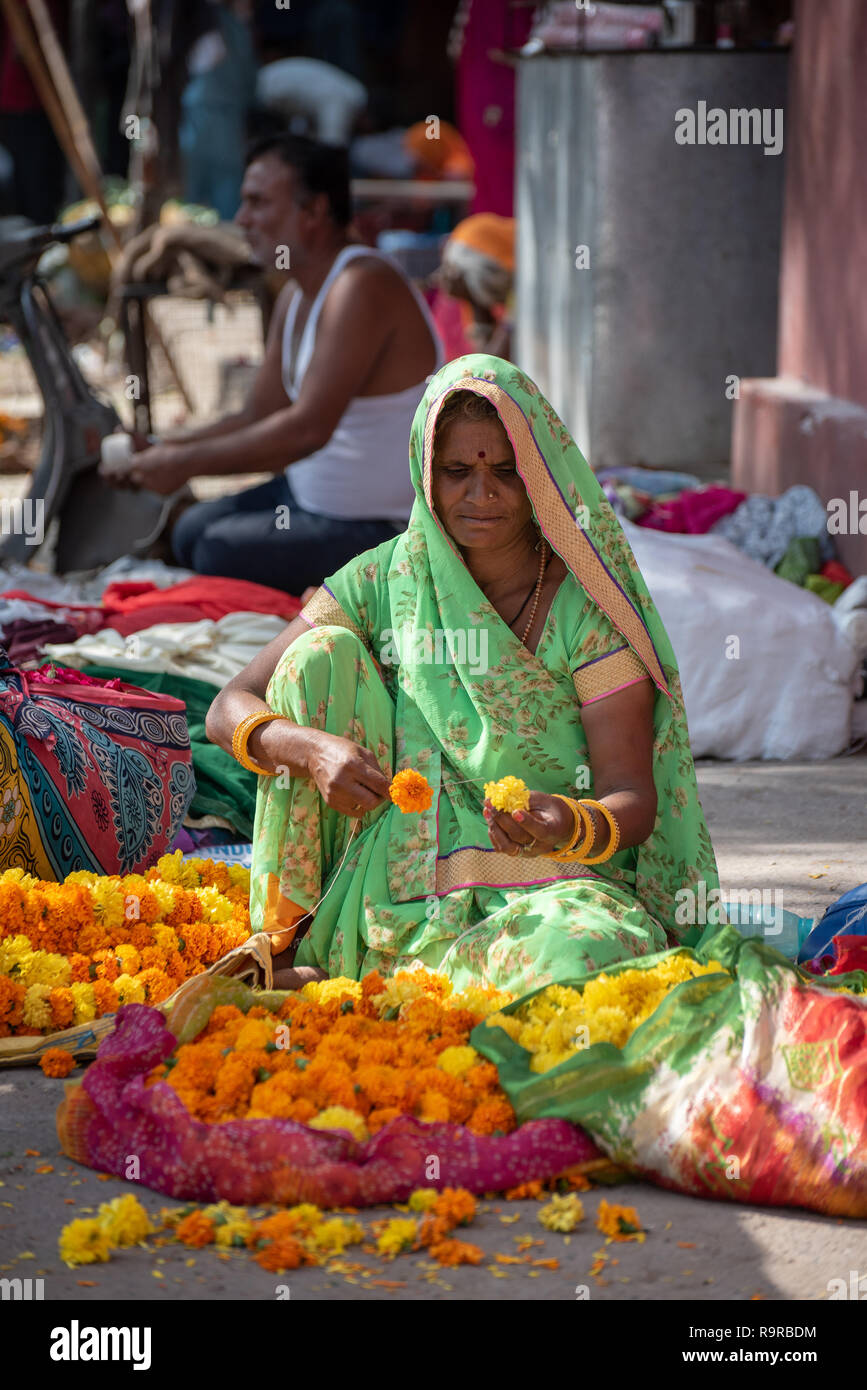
[
  {"x": 71, "y": 952},
  {"x": 560, "y": 1021},
  {"x": 346, "y": 1054}
]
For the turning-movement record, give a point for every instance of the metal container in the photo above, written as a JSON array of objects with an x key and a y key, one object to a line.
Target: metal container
[{"x": 679, "y": 291}]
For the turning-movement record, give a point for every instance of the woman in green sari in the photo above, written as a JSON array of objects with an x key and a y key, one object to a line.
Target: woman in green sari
[{"x": 507, "y": 631}]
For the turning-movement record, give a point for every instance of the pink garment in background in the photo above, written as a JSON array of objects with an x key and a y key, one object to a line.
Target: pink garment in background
[
  {"x": 693, "y": 512},
  {"x": 485, "y": 99}
]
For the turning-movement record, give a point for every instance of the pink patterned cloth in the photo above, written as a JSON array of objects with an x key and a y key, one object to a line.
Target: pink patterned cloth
[
  {"x": 693, "y": 512},
  {"x": 251, "y": 1162}
]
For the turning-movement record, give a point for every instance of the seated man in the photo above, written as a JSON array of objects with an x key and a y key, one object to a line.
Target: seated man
[{"x": 349, "y": 349}]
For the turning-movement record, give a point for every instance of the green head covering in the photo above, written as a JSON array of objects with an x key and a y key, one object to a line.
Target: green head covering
[{"x": 473, "y": 704}]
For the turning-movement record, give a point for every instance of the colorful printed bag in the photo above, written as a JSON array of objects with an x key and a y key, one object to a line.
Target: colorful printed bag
[
  {"x": 93, "y": 775},
  {"x": 749, "y": 1086}
]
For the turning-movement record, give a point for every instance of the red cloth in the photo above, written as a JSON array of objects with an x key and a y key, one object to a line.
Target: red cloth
[
  {"x": 837, "y": 573},
  {"x": 851, "y": 954},
  {"x": 692, "y": 512},
  {"x": 129, "y": 607}
]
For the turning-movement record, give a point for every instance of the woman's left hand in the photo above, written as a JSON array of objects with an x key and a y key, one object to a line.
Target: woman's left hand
[{"x": 542, "y": 829}]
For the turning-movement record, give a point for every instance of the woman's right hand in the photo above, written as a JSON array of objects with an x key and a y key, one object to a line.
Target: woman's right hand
[{"x": 347, "y": 775}]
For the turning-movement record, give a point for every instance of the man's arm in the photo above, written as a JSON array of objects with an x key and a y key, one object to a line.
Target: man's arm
[
  {"x": 353, "y": 330},
  {"x": 267, "y": 394}
]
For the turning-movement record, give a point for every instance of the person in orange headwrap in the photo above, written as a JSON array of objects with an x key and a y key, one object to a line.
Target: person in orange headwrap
[
  {"x": 440, "y": 151},
  {"x": 478, "y": 269}
]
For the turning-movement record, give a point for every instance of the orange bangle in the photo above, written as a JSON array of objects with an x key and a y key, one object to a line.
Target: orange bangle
[
  {"x": 614, "y": 836},
  {"x": 243, "y": 730},
  {"x": 583, "y": 836}
]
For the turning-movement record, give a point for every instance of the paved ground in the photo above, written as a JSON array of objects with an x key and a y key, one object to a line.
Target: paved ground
[{"x": 774, "y": 825}]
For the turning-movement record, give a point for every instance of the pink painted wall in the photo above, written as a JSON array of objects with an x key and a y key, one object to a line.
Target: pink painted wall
[{"x": 823, "y": 298}]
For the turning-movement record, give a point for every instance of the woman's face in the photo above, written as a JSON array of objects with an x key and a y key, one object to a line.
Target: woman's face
[{"x": 477, "y": 491}]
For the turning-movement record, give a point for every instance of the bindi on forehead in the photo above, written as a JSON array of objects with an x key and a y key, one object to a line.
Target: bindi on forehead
[{"x": 481, "y": 454}]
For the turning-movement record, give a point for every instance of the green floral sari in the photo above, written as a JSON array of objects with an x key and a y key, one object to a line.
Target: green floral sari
[{"x": 407, "y": 656}]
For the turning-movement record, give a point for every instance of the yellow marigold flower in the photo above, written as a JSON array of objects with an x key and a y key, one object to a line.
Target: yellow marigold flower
[
  {"x": 508, "y": 1022},
  {"x": 457, "y": 1060},
  {"x": 399, "y": 1234},
  {"x": 124, "y": 1220},
  {"x": 165, "y": 895},
  {"x": 410, "y": 791},
  {"x": 620, "y": 1223},
  {"x": 129, "y": 959},
  {"x": 332, "y": 1237},
  {"x": 322, "y": 991},
  {"x": 239, "y": 876},
  {"x": 166, "y": 938},
  {"x": 338, "y": 1117},
  {"x": 481, "y": 1001},
  {"x": 24, "y": 880},
  {"x": 232, "y": 1225},
  {"x": 84, "y": 1243},
  {"x": 562, "y": 1213},
  {"x": 109, "y": 903},
  {"x": 43, "y": 968},
  {"x": 37, "y": 1010},
  {"x": 217, "y": 908},
  {"x": 84, "y": 1003},
  {"x": 509, "y": 794},
  {"x": 129, "y": 990},
  {"x": 423, "y": 1199},
  {"x": 171, "y": 868},
  {"x": 255, "y": 1034}
]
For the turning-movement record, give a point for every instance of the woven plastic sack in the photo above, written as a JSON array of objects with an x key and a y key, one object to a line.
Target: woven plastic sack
[
  {"x": 749, "y": 1086},
  {"x": 111, "y": 1114}
]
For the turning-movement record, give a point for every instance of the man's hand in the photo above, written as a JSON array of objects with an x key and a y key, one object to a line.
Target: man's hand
[{"x": 163, "y": 469}]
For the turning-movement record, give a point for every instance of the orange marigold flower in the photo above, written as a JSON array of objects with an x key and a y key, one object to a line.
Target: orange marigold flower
[
  {"x": 456, "y": 1206},
  {"x": 282, "y": 1254},
  {"x": 157, "y": 985},
  {"x": 105, "y": 997},
  {"x": 410, "y": 791},
  {"x": 378, "y": 1118},
  {"x": 434, "y": 1107},
  {"x": 372, "y": 985},
  {"x": 107, "y": 965},
  {"x": 12, "y": 997},
  {"x": 456, "y": 1252},
  {"x": 62, "y": 1003},
  {"x": 195, "y": 1230},
  {"x": 524, "y": 1190},
  {"x": 492, "y": 1115},
  {"x": 57, "y": 1062},
  {"x": 80, "y": 967},
  {"x": 620, "y": 1223}
]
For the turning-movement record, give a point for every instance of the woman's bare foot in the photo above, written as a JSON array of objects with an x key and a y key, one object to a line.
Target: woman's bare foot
[{"x": 298, "y": 976}]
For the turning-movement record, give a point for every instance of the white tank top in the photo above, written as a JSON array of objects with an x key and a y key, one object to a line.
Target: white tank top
[{"x": 363, "y": 470}]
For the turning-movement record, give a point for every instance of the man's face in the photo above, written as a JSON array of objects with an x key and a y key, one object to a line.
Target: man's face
[{"x": 269, "y": 213}]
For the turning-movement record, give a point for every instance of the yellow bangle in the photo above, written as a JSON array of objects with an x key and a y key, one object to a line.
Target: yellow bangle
[
  {"x": 582, "y": 839},
  {"x": 578, "y": 831},
  {"x": 243, "y": 730},
  {"x": 614, "y": 837}
]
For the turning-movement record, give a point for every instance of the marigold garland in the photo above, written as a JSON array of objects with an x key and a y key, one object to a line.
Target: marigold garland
[
  {"x": 355, "y": 1055},
  {"x": 72, "y": 952},
  {"x": 560, "y": 1021}
]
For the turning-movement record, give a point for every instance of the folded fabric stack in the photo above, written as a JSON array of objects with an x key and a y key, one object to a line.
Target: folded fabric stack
[{"x": 164, "y": 630}]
